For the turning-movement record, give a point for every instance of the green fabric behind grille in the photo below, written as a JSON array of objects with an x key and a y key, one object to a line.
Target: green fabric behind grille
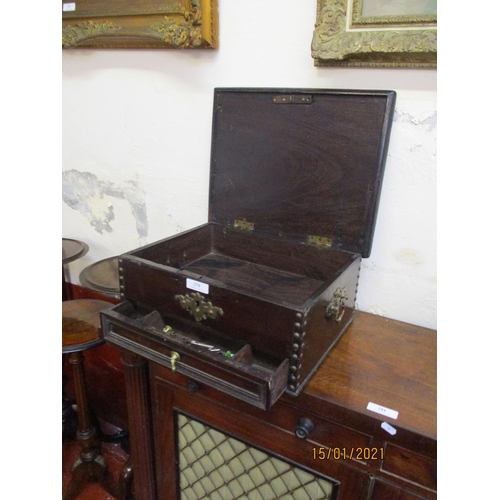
[{"x": 217, "y": 467}]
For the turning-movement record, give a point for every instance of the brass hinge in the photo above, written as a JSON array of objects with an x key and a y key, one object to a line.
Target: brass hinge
[
  {"x": 244, "y": 225},
  {"x": 320, "y": 241}
]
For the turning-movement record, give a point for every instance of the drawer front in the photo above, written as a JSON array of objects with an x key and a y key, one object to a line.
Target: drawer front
[
  {"x": 410, "y": 466},
  {"x": 235, "y": 372},
  {"x": 326, "y": 440}
]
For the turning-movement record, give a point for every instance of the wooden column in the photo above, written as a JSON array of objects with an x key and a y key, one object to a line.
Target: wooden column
[{"x": 139, "y": 412}]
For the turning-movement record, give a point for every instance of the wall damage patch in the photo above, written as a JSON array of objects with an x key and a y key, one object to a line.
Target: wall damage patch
[
  {"x": 84, "y": 192},
  {"x": 424, "y": 118}
]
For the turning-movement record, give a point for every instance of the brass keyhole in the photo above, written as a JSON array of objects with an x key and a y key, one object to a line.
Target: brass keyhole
[{"x": 199, "y": 307}]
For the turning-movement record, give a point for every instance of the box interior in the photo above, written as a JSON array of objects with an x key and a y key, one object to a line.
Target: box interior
[{"x": 269, "y": 268}]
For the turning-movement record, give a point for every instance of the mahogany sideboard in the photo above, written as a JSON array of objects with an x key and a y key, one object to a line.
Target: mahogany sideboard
[{"x": 326, "y": 438}]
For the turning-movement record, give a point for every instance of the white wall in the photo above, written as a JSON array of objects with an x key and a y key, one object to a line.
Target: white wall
[{"x": 136, "y": 145}]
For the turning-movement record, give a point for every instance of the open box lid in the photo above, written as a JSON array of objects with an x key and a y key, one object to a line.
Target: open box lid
[{"x": 305, "y": 164}]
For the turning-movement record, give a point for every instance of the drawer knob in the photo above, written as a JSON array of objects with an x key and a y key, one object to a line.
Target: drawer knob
[
  {"x": 173, "y": 359},
  {"x": 193, "y": 386},
  {"x": 304, "y": 428}
]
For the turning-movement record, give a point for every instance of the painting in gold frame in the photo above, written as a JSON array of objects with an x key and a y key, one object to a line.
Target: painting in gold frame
[
  {"x": 171, "y": 24},
  {"x": 379, "y": 33}
]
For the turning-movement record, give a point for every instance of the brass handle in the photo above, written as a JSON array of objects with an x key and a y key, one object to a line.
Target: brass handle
[
  {"x": 340, "y": 314},
  {"x": 337, "y": 305},
  {"x": 173, "y": 359}
]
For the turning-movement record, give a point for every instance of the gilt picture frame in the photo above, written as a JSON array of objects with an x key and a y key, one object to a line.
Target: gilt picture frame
[
  {"x": 377, "y": 33},
  {"x": 169, "y": 24}
]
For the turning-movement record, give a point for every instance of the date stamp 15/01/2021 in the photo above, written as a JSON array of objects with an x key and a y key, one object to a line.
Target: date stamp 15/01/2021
[{"x": 360, "y": 453}]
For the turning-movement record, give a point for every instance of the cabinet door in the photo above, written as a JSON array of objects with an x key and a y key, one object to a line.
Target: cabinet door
[{"x": 207, "y": 450}]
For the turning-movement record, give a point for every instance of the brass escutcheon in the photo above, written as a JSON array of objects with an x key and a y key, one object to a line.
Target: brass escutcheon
[
  {"x": 337, "y": 305},
  {"x": 198, "y": 307}
]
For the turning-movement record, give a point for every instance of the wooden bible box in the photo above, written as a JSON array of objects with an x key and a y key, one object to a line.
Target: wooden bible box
[{"x": 253, "y": 301}]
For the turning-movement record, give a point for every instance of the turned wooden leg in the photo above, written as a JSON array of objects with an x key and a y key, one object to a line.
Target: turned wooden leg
[
  {"x": 68, "y": 415},
  {"x": 90, "y": 465}
]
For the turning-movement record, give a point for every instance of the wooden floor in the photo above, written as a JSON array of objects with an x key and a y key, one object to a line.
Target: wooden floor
[{"x": 112, "y": 453}]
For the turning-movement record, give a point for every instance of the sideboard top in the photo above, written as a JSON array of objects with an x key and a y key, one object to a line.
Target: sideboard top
[{"x": 382, "y": 361}]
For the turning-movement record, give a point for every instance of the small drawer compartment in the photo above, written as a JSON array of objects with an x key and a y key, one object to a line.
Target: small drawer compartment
[{"x": 203, "y": 355}]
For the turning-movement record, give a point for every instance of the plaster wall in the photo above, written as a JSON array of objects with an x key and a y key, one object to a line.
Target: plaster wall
[{"x": 136, "y": 145}]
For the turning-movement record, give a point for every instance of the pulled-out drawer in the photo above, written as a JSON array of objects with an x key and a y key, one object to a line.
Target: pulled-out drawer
[{"x": 197, "y": 352}]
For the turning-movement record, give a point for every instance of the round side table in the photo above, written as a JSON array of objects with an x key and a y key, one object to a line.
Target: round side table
[
  {"x": 80, "y": 332},
  {"x": 102, "y": 277},
  {"x": 71, "y": 250}
]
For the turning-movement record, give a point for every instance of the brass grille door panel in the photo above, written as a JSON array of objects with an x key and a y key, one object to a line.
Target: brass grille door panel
[{"x": 215, "y": 466}]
